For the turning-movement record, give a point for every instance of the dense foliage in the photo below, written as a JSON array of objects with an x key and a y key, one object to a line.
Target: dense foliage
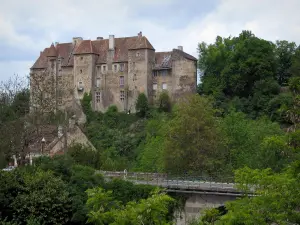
[
  {"x": 54, "y": 192},
  {"x": 244, "y": 121}
]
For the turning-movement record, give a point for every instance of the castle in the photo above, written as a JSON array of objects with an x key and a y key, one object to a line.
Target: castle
[{"x": 113, "y": 70}]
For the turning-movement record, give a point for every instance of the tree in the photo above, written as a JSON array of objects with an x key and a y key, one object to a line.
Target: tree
[
  {"x": 84, "y": 155},
  {"x": 36, "y": 194},
  {"x": 192, "y": 139},
  {"x": 237, "y": 67},
  {"x": 164, "y": 102},
  {"x": 105, "y": 210},
  {"x": 277, "y": 200},
  {"x": 284, "y": 55},
  {"x": 141, "y": 105},
  {"x": 244, "y": 139}
]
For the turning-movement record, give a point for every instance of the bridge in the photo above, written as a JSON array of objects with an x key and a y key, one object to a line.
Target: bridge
[
  {"x": 201, "y": 193},
  {"x": 175, "y": 184}
]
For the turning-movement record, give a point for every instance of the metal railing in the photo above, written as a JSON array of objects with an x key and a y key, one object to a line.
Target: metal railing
[{"x": 187, "y": 183}]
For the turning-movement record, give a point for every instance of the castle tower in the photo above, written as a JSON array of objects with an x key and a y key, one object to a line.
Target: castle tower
[
  {"x": 140, "y": 62},
  {"x": 84, "y": 67}
]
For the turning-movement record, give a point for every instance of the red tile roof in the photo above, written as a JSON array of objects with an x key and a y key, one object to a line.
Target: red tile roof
[
  {"x": 52, "y": 51},
  {"x": 85, "y": 47},
  {"x": 100, "y": 48}
]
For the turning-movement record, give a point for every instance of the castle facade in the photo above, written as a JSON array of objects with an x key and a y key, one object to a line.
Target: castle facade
[{"x": 113, "y": 70}]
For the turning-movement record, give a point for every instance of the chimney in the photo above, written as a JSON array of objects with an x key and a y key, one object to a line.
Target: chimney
[
  {"x": 140, "y": 34},
  {"x": 180, "y": 48},
  {"x": 99, "y": 38},
  {"x": 77, "y": 40},
  {"x": 111, "y": 42}
]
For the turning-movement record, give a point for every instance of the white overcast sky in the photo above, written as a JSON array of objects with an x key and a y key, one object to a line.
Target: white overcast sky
[{"x": 28, "y": 26}]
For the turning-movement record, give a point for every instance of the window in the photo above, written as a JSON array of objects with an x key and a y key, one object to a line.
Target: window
[
  {"x": 103, "y": 68},
  {"x": 121, "y": 81},
  {"x": 154, "y": 86},
  {"x": 137, "y": 54},
  {"x": 164, "y": 86},
  {"x": 134, "y": 77},
  {"x": 164, "y": 73},
  {"x": 80, "y": 86},
  {"x": 115, "y": 68},
  {"x": 81, "y": 58},
  {"x": 122, "y": 66},
  {"x": 154, "y": 74},
  {"x": 122, "y": 95},
  {"x": 98, "y": 82},
  {"x": 80, "y": 71},
  {"x": 98, "y": 96}
]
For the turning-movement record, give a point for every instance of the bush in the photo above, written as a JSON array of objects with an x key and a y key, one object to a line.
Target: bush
[
  {"x": 164, "y": 102},
  {"x": 141, "y": 105},
  {"x": 126, "y": 191},
  {"x": 84, "y": 155}
]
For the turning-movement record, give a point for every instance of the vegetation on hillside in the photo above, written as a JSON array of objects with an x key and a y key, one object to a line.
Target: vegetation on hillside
[{"x": 242, "y": 123}]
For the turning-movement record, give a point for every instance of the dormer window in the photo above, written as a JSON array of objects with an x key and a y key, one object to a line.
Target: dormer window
[{"x": 115, "y": 68}]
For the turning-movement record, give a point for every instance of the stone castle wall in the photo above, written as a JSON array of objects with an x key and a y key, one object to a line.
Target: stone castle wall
[{"x": 117, "y": 83}]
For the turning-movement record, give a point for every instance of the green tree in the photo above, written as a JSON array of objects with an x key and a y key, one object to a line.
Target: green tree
[
  {"x": 164, "y": 102},
  {"x": 105, "y": 210},
  {"x": 244, "y": 137},
  {"x": 40, "y": 195},
  {"x": 192, "y": 138},
  {"x": 84, "y": 155},
  {"x": 284, "y": 55},
  {"x": 241, "y": 68},
  {"x": 141, "y": 105},
  {"x": 277, "y": 200}
]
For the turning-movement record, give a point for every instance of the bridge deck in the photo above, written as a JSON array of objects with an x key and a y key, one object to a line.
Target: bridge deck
[{"x": 176, "y": 185}]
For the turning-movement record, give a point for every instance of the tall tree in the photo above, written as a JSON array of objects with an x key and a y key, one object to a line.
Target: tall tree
[
  {"x": 284, "y": 54},
  {"x": 192, "y": 140}
]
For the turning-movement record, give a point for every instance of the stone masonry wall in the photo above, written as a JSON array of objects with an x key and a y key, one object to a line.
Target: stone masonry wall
[
  {"x": 161, "y": 77},
  {"x": 84, "y": 68},
  {"x": 65, "y": 88},
  {"x": 139, "y": 75},
  {"x": 183, "y": 77}
]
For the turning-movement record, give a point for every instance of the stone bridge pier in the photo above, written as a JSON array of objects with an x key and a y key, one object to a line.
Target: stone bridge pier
[{"x": 196, "y": 203}]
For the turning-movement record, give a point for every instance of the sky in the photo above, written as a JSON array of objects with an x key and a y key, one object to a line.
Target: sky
[{"x": 27, "y": 27}]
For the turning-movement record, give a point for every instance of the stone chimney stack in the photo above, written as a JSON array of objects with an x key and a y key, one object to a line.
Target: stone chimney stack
[
  {"x": 77, "y": 40},
  {"x": 111, "y": 42},
  {"x": 99, "y": 38},
  {"x": 180, "y": 48},
  {"x": 140, "y": 34}
]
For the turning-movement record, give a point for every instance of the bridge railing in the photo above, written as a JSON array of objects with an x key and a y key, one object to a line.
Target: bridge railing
[{"x": 171, "y": 182}]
